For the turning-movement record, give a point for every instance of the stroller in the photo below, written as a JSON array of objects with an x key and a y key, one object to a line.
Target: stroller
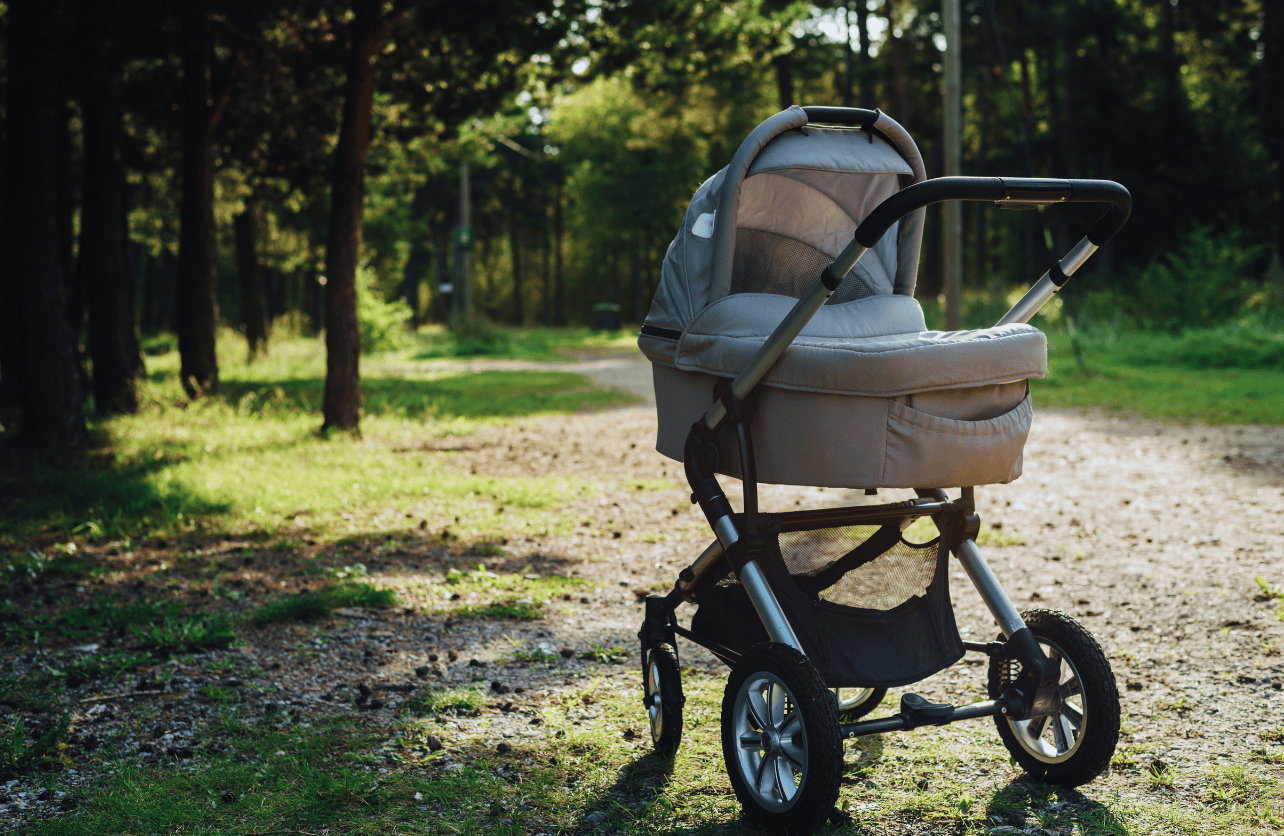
[{"x": 773, "y": 324}]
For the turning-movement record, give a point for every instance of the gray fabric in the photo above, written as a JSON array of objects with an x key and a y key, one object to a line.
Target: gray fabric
[
  {"x": 848, "y": 441},
  {"x": 909, "y": 237},
  {"x": 724, "y": 235},
  {"x": 697, "y": 266},
  {"x": 872, "y": 346}
]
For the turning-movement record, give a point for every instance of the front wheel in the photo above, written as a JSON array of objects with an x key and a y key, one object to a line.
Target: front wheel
[
  {"x": 663, "y": 699},
  {"x": 1075, "y": 745},
  {"x": 780, "y": 739},
  {"x": 855, "y": 703}
]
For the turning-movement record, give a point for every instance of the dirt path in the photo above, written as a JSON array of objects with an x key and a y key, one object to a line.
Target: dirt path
[{"x": 1150, "y": 533}]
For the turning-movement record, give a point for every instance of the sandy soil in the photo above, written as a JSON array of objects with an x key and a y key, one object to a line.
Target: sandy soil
[{"x": 1150, "y": 533}]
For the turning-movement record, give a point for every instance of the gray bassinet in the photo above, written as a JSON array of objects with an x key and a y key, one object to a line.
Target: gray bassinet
[{"x": 866, "y": 396}]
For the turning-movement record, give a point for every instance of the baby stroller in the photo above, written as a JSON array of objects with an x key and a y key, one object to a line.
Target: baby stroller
[{"x": 785, "y": 350}]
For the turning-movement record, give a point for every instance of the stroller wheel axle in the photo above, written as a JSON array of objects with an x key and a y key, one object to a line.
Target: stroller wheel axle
[{"x": 916, "y": 712}]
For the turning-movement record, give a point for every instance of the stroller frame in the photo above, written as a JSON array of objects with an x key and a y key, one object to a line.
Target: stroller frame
[{"x": 1036, "y": 692}]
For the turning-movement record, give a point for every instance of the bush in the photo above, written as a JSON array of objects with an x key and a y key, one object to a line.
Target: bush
[
  {"x": 382, "y": 324},
  {"x": 1203, "y": 283}
]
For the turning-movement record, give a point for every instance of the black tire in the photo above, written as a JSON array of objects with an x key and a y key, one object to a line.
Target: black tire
[
  {"x": 786, "y": 784},
  {"x": 860, "y": 705},
  {"x": 1051, "y": 749},
  {"x": 662, "y": 696}
]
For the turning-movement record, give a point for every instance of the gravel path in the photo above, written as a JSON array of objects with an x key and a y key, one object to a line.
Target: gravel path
[{"x": 1149, "y": 532}]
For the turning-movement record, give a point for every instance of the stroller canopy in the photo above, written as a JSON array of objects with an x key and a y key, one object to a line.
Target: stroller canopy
[{"x": 785, "y": 206}]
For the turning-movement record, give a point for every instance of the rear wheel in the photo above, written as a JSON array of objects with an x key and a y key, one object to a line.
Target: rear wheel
[
  {"x": 855, "y": 703},
  {"x": 662, "y": 687},
  {"x": 780, "y": 739},
  {"x": 1074, "y": 745}
]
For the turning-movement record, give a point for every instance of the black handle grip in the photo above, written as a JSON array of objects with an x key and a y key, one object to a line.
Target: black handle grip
[
  {"x": 1005, "y": 191},
  {"x": 841, "y": 115}
]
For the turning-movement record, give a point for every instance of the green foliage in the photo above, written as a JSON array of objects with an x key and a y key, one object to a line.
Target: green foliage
[
  {"x": 30, "y": 566},
  {"x": 191, "y": 633},
  {"x": 18, "y": 755},
  {"x": 309, "y": 606},
  {"x": 514, "y": 610},
  {"x": 1203, "y": 282},
  {"x": 605, "y": 655},
  {"x": 108, "y": 665},
  {"x": 453, "y": 701},
  {"x": 383, "y": 325}
]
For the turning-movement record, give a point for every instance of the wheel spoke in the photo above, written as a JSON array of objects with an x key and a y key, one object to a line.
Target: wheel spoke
[
  {"x": 1073, "y": 716},
  {"x": 791, "y": 724},
  {"x": 1037, "y": 727},
  {"x": 791, "y": 750},
  {"x": 785, "y": 784},
  {"x": 776, "y": 702},
  {"x": 1061, "y": 734},
  {"x": 1072, "y": 687},
  {"x": 757, "y": 709},
  {"x": 751, "y": 742},
  {"x": 766, "y": 776}
]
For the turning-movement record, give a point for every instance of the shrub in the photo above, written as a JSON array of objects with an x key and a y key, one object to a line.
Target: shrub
[
  {"x": 1204, "y": 282},
  {"x": 382, "y": 324}
]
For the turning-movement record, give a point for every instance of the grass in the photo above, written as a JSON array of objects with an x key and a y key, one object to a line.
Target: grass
[
  {"x": 252, "y": 461},
  {"x": 518, "y": 596},
  {"x": 591, "y": 770},
  {"x": 490, "y": 340},
  {"x": 309, "y": 606}
]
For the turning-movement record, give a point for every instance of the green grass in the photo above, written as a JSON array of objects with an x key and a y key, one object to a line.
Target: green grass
[
  {"x": 309, "y": 606},
  {"x": 521, "y": 343},
  {"x": 451, "y": 701},
  {"x": 594, "y": 772},
  {"x": 517, "y": 596},
  {"x": 252, "y": 461}
]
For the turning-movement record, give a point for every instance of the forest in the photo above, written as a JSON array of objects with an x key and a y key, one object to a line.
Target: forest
[{"x": 221, "y": 169}]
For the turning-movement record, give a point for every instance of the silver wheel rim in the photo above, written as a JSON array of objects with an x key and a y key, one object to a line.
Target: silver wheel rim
[
  {"x": 655, "y": 709},
  {"x": 771, "y": 741},
  {"x": 849, "y": 698},
  {"x": 1057, "y": 737}
]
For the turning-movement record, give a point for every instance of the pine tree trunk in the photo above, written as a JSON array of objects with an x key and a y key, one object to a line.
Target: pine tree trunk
[
  {"x": 39, "y": 345},
  {"x": 515, "y": 245},
  {"x": 898, "y": 66},
  {"x": 245, "y": 231},
  {"x": 197, "y": 276},
  {"x": 1272, "y": 38},
  {"x": 783, "y": 65},
  {"x": 342, "y": 403},
  {"x": 101, "y": 263},
  {"x": 558, "y": 318}
]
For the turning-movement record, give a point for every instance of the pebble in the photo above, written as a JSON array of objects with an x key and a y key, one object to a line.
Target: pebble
[
  {"x": 567, "y": 652},
  {"x": 423, "y": 670},
  {"x": 452, "y": 655},
  {"x": 434, "y": 743}
]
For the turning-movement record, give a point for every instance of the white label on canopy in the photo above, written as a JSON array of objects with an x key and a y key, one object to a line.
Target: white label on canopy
[{"x": 703, "y": 226}]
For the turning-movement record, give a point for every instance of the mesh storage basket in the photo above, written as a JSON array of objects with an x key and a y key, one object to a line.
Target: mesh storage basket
[{"x": 870, "y": 608}]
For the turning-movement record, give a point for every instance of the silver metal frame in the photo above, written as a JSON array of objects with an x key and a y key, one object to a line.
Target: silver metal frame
[
  {"x": 983, "y": 578},
  {"x": 1036, "y": 297}
]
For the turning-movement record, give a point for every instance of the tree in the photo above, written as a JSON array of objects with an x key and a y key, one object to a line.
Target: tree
[
  {"x": 101, "y": 262},
  {"x": 204, "y": 98},
  {"x": 39, "y": 350}
]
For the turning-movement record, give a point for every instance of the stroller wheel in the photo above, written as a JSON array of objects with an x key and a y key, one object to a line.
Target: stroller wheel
[
  {"x": 663, "y": 699},
  {"x": 1074, "y": 746},
  {"x": 855, "y": 703},
  {"x": 780, "y": 739}
]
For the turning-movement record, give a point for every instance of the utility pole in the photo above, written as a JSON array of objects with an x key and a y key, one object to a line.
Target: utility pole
[{"x": 952, "y": 211}]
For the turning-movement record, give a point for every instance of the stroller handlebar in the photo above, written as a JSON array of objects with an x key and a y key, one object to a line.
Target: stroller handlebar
[
  {"x": 841, "y": 115},
  {"x": 1012, "y": 192}
]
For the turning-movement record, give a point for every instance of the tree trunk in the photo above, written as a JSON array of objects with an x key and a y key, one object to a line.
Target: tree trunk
[
  {"x": 410, "y": 281},
  {"x": 546, "y": 267},
  {"x": 638, "y": 313},
  {"x": 197, "y": 276},
  {"x": 898, "y": 66},
  {"x": 862, "y": 52},
  {"x": 558, "y": 317},
  {"x": 66, "y": 211},
  {"x": 847, "y": 53},
  {"x": 783, "y": 65},
  {"x": 515, "y": 244},
  {"x": 39, "y": 345},
  {"x": 1273, "y": 102},
  {"x": 245, "y": 231},
  {"x": 103, "y": 270},
  {"x": 342, "y": 403},
  {"x": 441, "y": 243}
]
